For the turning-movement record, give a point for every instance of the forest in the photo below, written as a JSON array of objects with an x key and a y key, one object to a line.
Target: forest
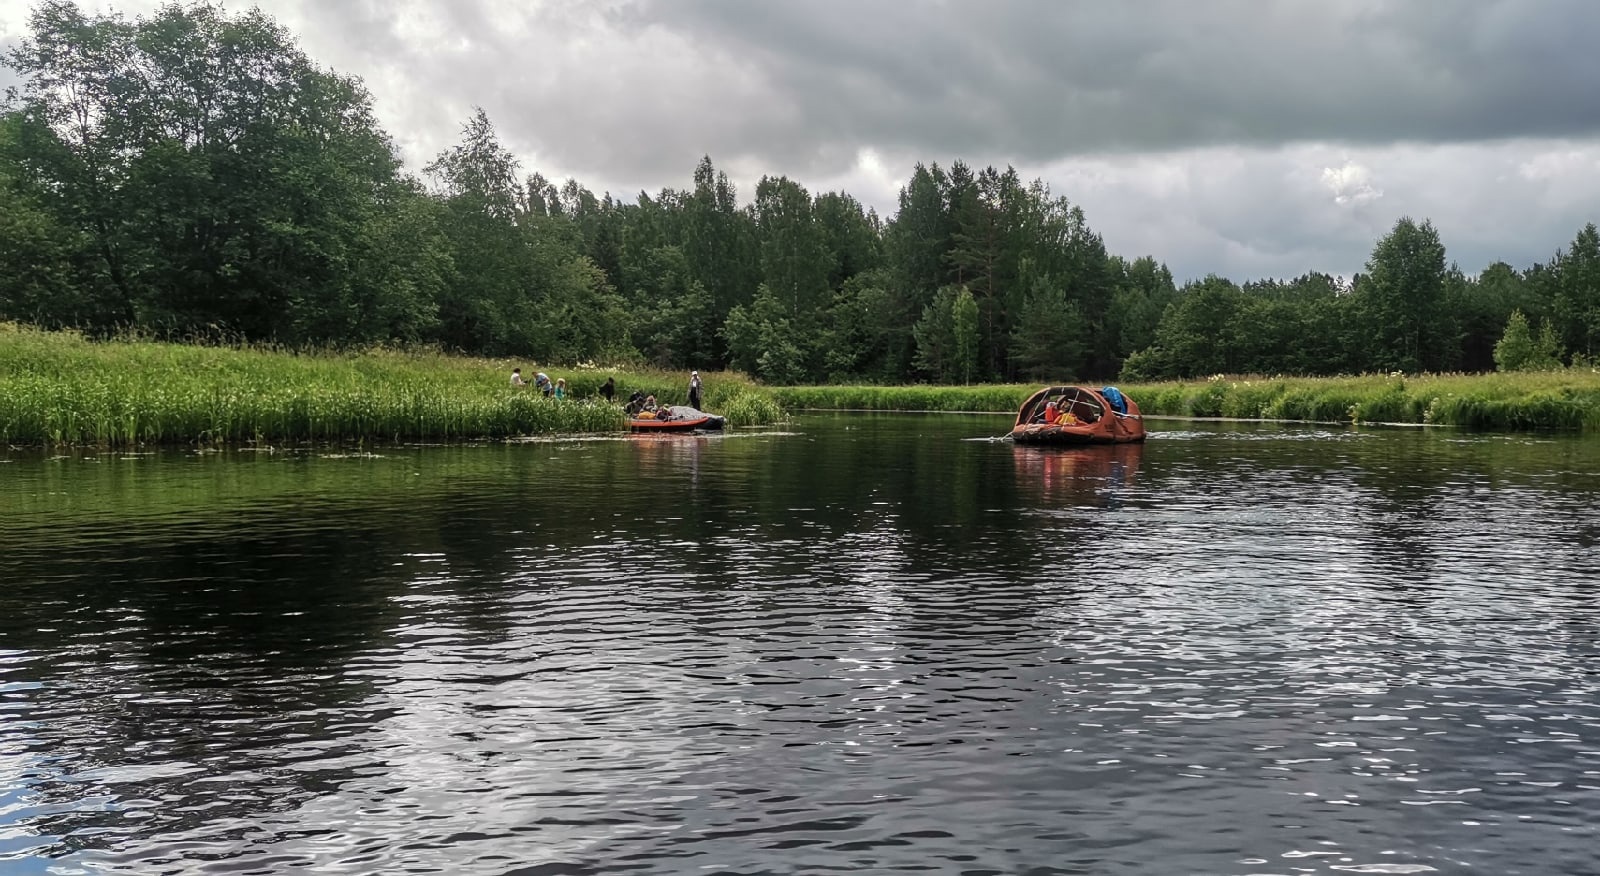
[{"x": 193, "y": 175}]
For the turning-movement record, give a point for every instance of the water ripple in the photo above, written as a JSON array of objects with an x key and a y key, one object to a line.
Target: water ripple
[{"x": 1251, "y": 653}]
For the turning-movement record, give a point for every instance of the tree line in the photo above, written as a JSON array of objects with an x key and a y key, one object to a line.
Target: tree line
[{"x": 193, "y": 174}]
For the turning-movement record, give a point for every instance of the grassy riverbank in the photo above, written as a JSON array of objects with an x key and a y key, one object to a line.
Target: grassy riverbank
[
  {"x": 1513, "y": 401},
  {"x": 57, "y": 388},
  {"x": 1499, "y": 402}
]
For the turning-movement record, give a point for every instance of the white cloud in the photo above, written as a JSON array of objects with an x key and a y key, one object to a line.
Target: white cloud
[{"x": 1350, "y": 183}]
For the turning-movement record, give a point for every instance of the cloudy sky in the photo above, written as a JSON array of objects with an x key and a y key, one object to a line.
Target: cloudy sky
[{"x": 1247, "y": 138}]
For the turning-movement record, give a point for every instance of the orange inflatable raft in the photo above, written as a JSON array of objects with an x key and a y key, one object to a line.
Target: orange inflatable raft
[{"x": 1078, "y": 415}]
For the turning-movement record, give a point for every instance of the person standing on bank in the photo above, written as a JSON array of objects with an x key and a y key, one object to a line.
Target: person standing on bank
[
  {"x": 541, "y": 380},
  {"x": 516, "y": 379},
  {"x": 694, "y": 390},
  {"x": 609, "y": 389}
]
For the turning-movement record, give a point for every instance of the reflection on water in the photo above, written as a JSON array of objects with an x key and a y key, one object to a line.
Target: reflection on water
[
  {"x": 868, "y": 643},
  {"x": 1091, "y": 475}
]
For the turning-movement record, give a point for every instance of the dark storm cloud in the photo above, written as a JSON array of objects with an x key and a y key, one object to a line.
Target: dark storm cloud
[
  {"x": 1042, "y": 80},
  {"x": 639, "y": 89},
  {"x": 643, "y": 87}
]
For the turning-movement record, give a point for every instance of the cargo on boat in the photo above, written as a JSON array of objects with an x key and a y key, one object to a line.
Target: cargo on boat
[
  {"x": 676, "y": 418},
  {"x": 1078, "y": 415}
]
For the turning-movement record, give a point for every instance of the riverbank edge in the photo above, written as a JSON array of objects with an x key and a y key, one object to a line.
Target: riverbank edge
[
  {"x": 59, "y": 389},
  {"x": 1510, "y": 402}
]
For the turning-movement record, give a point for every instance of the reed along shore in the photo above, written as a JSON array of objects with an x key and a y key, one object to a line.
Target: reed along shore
[{"x": 58, "y": 388}]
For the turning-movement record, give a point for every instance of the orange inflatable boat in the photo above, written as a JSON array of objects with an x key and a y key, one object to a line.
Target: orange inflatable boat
[
  {"x": 1078, "y": 415},
  {"x": 678, "y": 418}
]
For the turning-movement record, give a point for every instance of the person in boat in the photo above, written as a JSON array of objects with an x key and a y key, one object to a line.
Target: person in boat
[
  {"x": 609, "y": 389},
  {"x": 635, "y": 403},
  {"x": 516, "y": 379},
  {"x": 694, "y": 390},
  {"x": 1052, "y": 413},
  {"x": 649, "y": 410}
]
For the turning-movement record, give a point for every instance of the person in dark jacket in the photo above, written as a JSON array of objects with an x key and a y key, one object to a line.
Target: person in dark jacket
[{"x": 609, "y": 389}]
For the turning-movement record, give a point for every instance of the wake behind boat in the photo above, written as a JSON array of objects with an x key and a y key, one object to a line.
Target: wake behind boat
[{"x": 1078, "y": 415}]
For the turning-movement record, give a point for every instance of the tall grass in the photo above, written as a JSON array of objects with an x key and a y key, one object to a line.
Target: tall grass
[
  {"x": 993, "y": 398},
  {"x": 752, "y": 409},
  {"x": 57, "y": 388},
  {"x": 1514, "y": 401},
  {"x": 1508, "y": 402}
]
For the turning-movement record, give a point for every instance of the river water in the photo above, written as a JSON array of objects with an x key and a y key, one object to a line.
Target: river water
[{"x": 879, "y": 643}]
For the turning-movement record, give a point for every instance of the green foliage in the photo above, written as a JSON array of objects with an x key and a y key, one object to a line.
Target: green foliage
[
  {"x": 997, "y": 398},
  {"x": 1576, "y": 293},
  {"x": 1250, "y": 400},
  {"x": 58, "y": 388},
  {"x": 1401, "y": 301},
  {"x": 1147, "y": 366},
  {"x": 794, "y": 260},
  {"x": 1050, "y": 342},
  {"x": 1144, "y": 288},
  {"x": 673, "y": 314},
  {"x": 964, "y": 332},
  {"x": 942, "y": 342},
  {"x": 1518, "y": 350},
  {"x": 207, "y": 193},
  {"x": 192, "y": 173},
  {"x": 1318, "y": 401},
  {"x": 1520, "y": 401},
  {"x": 520, "y": 284},
  {"x": 1481, "y": 308},
  {"x": 1563, "y": 401},
  {"x": 761, "y": 340},
  {"x": 851, "y": 237},
  {"x": 1561, "y": 409},
  {"x": 863, "y": 331},
  {"x": 752, "y": 409},
  {"x": 1200, "y": 333},
  {"x": 480, "y": 174},
  {"x": 1392, "y": 404},
  {"x": 37, "y": 252}
]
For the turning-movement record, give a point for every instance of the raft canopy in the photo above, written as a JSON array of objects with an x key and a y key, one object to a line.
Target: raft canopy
[
  {"x": 1085, "y": 416},
  {"x": 1086, "y": 404}
]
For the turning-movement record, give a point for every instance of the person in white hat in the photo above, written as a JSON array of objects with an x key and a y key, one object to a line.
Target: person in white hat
[{"x": 694, "y": 390}]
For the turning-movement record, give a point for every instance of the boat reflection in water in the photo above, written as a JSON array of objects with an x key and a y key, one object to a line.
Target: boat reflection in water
[
  {"x": 1097, "y": 474},
  {"x": 664, "y": 453}
]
